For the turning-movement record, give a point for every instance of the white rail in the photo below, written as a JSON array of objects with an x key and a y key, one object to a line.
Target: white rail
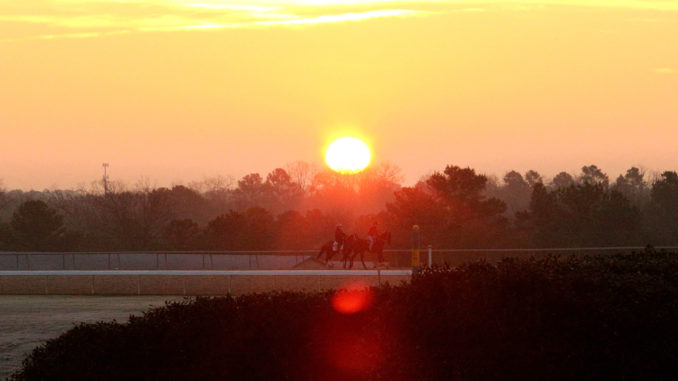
[
  {"x": 206, "y": 272},
  {"x": 235, "y": 259}
]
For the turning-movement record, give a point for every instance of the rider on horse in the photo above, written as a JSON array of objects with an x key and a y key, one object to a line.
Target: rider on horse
[{"x": 339, "y": 238}]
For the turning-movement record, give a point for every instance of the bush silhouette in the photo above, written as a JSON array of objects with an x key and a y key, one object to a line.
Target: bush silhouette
[{"x": 604, "y": 317}]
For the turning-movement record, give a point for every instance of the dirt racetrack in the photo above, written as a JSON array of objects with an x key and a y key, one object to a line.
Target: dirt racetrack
[{"x": 28, "y": 321}]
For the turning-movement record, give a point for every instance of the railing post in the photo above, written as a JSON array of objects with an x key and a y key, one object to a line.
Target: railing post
[
  {"x": 63, "y": 260},
  {"x": 73, "y": 261},
  {"x": 17, "y": 261},
  {"x": 211, "y": 262},
  {"x": 28, "y": 261},
  {"x": 415, "y": 249},
  {"x": 430, "y": 256},
  {"x": 109, "y": 260},
  {"x": 157, "y": 261}
]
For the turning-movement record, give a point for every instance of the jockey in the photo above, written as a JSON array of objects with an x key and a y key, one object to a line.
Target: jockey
[
  {"x": 372, "y": 234},
  {"x": 339, "y": 238}
]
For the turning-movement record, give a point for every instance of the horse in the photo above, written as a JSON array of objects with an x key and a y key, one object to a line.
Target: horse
[
  {"x": 326, "y": 249},
  {"x": 360, "y": 246}
]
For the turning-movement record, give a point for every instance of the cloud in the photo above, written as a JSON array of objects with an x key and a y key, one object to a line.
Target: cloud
[
  {"x": 341, "y": 17},
  {"x": 87, "y": 18},
  {"x": 72, "y": 18}
]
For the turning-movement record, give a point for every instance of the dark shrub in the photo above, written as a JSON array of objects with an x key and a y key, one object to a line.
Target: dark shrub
[{"x": 605, "y": 317}]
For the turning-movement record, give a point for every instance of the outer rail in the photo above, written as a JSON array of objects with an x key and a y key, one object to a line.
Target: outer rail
[
  {"x": 400, "y": 272},
  {"x": 259, "y": 260},
  {"x": 183, "y": 282}
]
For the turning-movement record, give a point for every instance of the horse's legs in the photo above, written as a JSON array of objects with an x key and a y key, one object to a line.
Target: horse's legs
[
  {"x": 380, "y": 256},
  {"x": 352, "y": 258},
  {"x": 362, "y": 259},
  {"x": 330, "y": 254}
]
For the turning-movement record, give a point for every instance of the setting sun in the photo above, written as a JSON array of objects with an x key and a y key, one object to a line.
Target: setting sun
[{"x": 347, "y": 155}]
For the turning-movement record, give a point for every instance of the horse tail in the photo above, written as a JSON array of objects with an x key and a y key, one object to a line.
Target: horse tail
[{"x": 322, "y": 250}]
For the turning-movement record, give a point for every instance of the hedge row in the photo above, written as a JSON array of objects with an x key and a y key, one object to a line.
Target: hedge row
[{"x": 603, "y": 317}]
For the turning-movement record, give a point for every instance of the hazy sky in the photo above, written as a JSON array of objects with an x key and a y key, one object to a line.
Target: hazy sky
[{"x": 179, "y": 90}]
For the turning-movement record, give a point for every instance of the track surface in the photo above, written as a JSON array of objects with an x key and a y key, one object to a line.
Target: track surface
[{"x": 28, "y": 321}]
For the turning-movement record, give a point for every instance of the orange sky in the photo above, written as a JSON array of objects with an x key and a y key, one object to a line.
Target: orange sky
[{"x": 179, "y": 90}]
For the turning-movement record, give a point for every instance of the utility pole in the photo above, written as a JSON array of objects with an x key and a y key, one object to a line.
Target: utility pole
[{"x": 105, "y": 178}]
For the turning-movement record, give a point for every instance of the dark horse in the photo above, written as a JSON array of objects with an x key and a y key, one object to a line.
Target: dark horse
[
  {"x": 326, "y": 249},
  {"x": 360, "y": 246}
]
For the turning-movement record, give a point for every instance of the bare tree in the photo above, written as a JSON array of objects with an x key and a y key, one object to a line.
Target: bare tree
[
  {"x": 390, "y": 172},
  {"x": 214, "y": 184},
  {"x": 302, "y": 173},
  {"x": 144, "y": 184}
]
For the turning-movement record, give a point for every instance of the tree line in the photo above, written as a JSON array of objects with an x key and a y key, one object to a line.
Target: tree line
[{"x": 298, "y": 208}]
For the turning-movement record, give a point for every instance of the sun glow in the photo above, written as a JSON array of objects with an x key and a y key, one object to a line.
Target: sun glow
[{"x": 348, "y": 155}]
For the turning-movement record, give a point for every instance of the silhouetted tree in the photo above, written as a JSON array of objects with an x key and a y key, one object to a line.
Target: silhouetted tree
[
  {"x": 135, "y": 220},
  {"x": 533, "y": 177},
  {"x": 469, "y": 218},
  {"x": 6, "y": 236},
  {"x": 595, "y": 216},
  {"x": 252, "y": 230},
  {"x": 319, "y": 226},
  {"x": 283, "y": 193},
  {"x": 541, "y": 224},
  {"x": 260, "y": 231},
  {"x": 212, "y": 184},
  {"x": 515, "y": 192},
  {"x": 416, "y": 205},
  {"x": 301, "y": 173},
  {"x": 291, "y": 229},
  {"x": 593, "y": 175},
  {"x": 663, "y": 210},
  {"x": 455, "y": 208},
  {"x": 562, "y": 180},
  {"x": 182, "y": 234},
  {"x": 375, "y": 188},
  {"x": 581, "y": 215},
  {"x": 4, "y": 200},
  {"x": 187, "y": 203},
  {"x": 37, "y": 227},
  {"x": 461, "y": 189},
  {"x": 632, "y": 185},
  {"x": 218, "y": 193},
  {"x": 225, "y": 232},
  {"x": 251, "y": 191}
]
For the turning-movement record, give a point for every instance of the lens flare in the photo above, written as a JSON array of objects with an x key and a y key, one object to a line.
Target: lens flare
[
  {"x": 355, "y": 353},
  {"x": 353, "y": 298}
]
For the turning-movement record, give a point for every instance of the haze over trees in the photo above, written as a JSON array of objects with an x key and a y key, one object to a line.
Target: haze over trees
[{"x": 298, "y": 207}]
